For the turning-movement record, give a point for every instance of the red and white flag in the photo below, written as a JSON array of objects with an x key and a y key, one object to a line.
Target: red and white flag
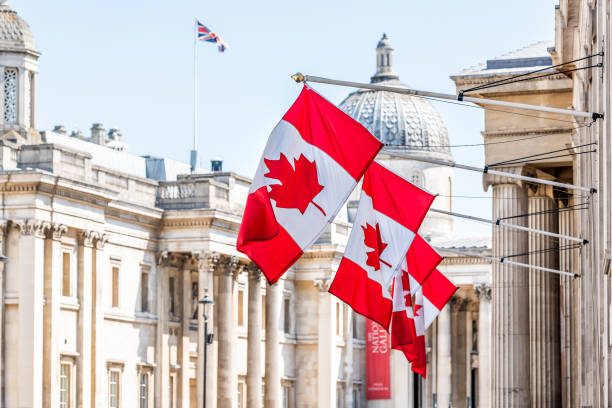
[
  {"x": 419, "y": 263},
  {"x": 436, "y": 291},
  {"x": 416, "y": 352},
  {"x": 390, "y": 213},
  {"x": 312, "y": 162}
]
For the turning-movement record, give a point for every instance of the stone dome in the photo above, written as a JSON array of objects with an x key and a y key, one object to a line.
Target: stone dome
[
  {"x": 15, "y": 34},
  {"x": 405, "y": 122}
]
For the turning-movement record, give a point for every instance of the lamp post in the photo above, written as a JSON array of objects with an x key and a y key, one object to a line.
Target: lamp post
[{"x": 208, "y": 338}]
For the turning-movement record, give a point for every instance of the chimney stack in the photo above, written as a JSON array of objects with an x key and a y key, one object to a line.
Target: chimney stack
[
  {"x": 97, "y": 133},
  {"x": 114, "y": 134},
  {"x": 216, "y": 165},
  {"x": 59, "y": 129}
]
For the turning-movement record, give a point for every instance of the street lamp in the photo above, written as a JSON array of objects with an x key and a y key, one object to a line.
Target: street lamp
[{"x": 208, "y": 338}]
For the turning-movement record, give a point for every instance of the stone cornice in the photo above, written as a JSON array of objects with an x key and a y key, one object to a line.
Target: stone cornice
[
  {"x": 528, "y": 132},
  {"x": 463, "y": 260}
]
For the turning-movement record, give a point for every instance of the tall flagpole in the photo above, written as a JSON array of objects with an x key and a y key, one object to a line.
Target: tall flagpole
[{"x": 194, "y": 152}]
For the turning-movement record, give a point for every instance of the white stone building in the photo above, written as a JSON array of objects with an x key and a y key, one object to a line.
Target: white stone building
[{"x": 108, "y": 254}]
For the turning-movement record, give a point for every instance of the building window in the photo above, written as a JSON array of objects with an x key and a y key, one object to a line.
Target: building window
[
  {"x": 339, "y": 395},
  {"x": 114, "y": 388},
  {"x": 65, "y": 382},
  {"x": 285, "y": 397},
  {"x": 263, "y": 312},
  {"x": 10, "y": 96},
  {"x": 144, "y": 291},
  {"x": 171, "y": 290},
  {"x": 338, "y": 320},
  {"x": 356, "y": 397},
  {"x": 66, "y": 274},
  {"x": 144, "y": 390},
  {"x": 115, "y": 287},
  {"x": 240, "y": 308},
  {"x": 241, "y": 394},
  {"x": 172, "y": 390},
  {"x": 287, "y": 316},
  {"x": 354, "y": 322}
]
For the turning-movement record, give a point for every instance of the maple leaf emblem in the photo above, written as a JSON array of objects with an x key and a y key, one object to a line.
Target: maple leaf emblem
[
  {"x": 298, "y": 186},
  {"x": 417, "y": 308},
  {"x": 374, "y": 241}
]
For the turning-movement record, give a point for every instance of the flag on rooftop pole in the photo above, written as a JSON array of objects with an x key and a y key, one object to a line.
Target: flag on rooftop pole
[
  {"x": 390, "y": 213},
  {"x": 202, "y": 33},
  {"x": 312, "y": 162}
]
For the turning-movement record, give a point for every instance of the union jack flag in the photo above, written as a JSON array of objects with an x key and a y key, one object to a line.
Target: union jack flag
[{"x": 204, "y": 34}]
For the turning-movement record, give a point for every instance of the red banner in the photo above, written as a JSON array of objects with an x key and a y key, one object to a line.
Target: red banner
[{"x": 378, "y": 372}]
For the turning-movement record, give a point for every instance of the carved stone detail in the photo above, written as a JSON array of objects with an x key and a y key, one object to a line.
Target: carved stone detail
[
  {"x": 101, "y": 241},
  {"x": 322, "y": 284},
  {"x": 483, "y": 291},
  {"x": 253, "y": 271},
  {"x": 34, "y": 227},
  {"x": 57, "y": 231},
  {"x": 88, "y": 237}
]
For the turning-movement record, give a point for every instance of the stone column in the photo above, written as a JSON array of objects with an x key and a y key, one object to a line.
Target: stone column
[
  {"x": 226, "y": 377},
  {"x": 163, "y": 330},
  {"x": 30, "y": 265},
  {"x": 98, "y": 369},
  {"x": 444, "y": 358},
  {"x": 544, "y": 312},
  {"x": 51, "y": 337},
  {"x": 274, "y": 298},
  {"x": 85, "y": 259},
  {"x": 208, "y": 263},
  {"x": 510, "y": 298},
  {"x": 569, "y": 319},
  {"x": 461, "y": 326},
  {"x": 348, "y": 358},
  {"x": 184, "y": 344},
  {"x": 483, "y": 290},
  {"x": 4, "y": 230},
  {"x": 254, "y": 352},
  {"x": 327, "y": 376}
]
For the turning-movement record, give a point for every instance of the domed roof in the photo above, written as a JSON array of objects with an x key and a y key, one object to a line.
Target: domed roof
[
  {"x": 406, "y": 122},
  {"x": 15, "y": 34}
]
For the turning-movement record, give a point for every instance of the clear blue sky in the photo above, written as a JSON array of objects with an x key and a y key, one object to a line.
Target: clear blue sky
[{"x": 129, "y": 65}]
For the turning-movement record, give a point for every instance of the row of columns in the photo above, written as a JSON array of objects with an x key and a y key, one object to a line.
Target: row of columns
[
  {"x": 526, "y": 302},
  {"x": 454, "y": 344},
  {"x": 217, "y": 276}
]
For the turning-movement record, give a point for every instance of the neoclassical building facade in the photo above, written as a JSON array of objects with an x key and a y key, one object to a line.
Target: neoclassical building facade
[{"x": 109, "y": 254}]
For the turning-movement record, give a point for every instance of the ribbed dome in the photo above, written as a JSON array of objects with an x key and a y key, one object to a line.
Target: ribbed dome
[
  {"x": 408, "y": 122},
  {"x": 15, "y": 34}
]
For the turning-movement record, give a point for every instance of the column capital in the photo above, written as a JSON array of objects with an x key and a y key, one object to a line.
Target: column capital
[
  {"x": 57, "y": 231},
  {"x": 32, "y": 226},
  {"x": 483, "y": 291},
  {"x": 489, "y": 179},
  {"x": 88, "y": 237},
  {"x": 208, "y": 261},
  {"x": 253, "y": 271},
  {"x": 229, "y": 265},
  {"x": 101, "y": 241},
  {"x": 322, "y": 284}
]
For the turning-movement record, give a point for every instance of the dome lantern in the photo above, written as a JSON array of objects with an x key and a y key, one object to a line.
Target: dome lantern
[
  {"x": 384, "y": 61},
  {"x": 18, "y": 75}
]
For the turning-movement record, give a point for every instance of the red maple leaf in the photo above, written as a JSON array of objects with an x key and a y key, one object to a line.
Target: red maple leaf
[
  {"x": 416, "y": 309},
  {"x": 374, "y": 241},
  {"x": 298, "y": 186}
]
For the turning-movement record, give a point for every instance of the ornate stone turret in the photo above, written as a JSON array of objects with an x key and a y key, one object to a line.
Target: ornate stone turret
[
  {"x": 384, "y": 61},
  {"x": 18, "y": 73}
]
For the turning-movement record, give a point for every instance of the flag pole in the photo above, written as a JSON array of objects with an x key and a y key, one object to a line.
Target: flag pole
[
  {"x": 194, "y": 152},
  {"x": 299, "y": 77},
  {"x": 487, "y": 170},
  {"x": 506, "y": 261},
  {"x": 511, "y": 226}
]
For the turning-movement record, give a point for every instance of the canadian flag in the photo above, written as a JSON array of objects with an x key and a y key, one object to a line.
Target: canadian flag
[
  {"x": 390, "y": 212},
  {"x": 312, "y": 162},
  {"x": 409, "y": 323},
  {"x": 419, "y": 263}
]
